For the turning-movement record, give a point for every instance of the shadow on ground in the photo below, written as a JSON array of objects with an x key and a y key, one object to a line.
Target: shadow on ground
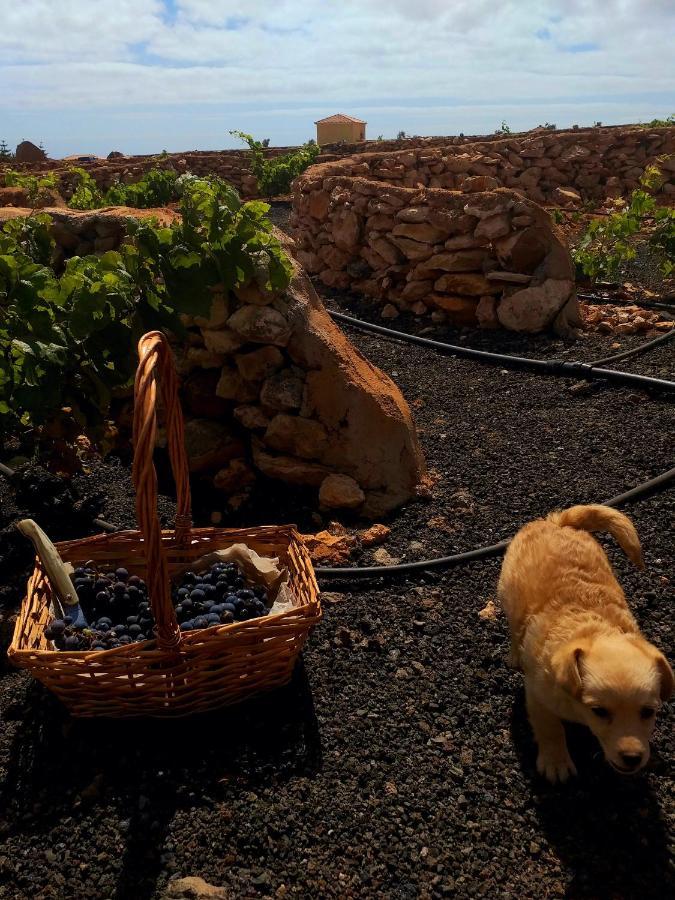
[
  {"x": 150, "y": 768},
  {"x": 606, "y": 829}
]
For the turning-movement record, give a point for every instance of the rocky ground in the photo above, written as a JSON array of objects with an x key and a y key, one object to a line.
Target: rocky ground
[{"x": 399, "y": 763}]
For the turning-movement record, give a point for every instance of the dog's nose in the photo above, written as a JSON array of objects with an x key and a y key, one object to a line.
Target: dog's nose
[{"x": 631, "y": 760}]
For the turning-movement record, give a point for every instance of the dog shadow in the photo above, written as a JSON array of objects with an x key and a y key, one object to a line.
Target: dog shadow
[
  {"x": 147, "y": 769},
  {"x": 608, "y": 831}
]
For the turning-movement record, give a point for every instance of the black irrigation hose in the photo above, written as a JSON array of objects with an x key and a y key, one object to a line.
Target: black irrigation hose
[
  {"x": 619, "y": 301},
  {"x": 573, "y": 369},
  {"x": 445, "y": 562},
  {"x": 642, "y": 348},
  {"x": 555, "y": 367}
]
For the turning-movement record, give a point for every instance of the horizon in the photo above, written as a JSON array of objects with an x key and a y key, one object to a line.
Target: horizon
[{"x": 153, "y": 75}]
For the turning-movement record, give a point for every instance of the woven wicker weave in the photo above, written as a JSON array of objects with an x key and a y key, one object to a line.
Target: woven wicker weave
[{"x": 178, "y": 673}]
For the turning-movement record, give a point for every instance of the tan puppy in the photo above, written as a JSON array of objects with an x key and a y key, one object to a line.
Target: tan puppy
[{"x": 578, "y": 645}]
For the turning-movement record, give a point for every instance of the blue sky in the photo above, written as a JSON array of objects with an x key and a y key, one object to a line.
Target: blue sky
[{"x": 147, "y": 75}]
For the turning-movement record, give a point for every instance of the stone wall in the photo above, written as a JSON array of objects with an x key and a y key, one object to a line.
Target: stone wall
[
  {"x": 231, "y": 165},
  {"x": 457, "y": 229},
  {"x": 490, "y": 258},
  {"x": 542, "y": 165},
  {"x": 271, "y": 385}
]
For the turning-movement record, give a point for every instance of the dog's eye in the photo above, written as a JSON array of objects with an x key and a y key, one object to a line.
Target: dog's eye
[
  {"x": 600, "y": 711},
  {"x": 647, "y": 712}
]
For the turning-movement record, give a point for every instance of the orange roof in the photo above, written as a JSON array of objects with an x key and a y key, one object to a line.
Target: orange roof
[{"x": 340, "y": 119}]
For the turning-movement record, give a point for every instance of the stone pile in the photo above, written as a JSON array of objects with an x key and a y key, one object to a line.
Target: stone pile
[
  {"x": 623, "y": 319},
  {"x": 488, "y": 258},
  {"x": 271, "y": 385}
]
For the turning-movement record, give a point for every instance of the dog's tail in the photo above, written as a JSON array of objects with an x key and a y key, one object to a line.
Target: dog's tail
[{"x": 596, "y": 517}]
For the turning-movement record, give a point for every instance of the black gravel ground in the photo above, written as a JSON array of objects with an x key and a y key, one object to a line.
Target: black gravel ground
[{"x": 399, "y": 763}]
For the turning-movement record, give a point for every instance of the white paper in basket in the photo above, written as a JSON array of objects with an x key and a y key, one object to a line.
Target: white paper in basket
[{"x": 257, "y": 569}]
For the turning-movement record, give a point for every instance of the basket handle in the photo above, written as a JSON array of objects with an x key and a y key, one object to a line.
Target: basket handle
[{"x": 155, "y": 359}]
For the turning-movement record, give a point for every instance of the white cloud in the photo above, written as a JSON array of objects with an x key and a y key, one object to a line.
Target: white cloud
[{"x": 92, "y": 55}]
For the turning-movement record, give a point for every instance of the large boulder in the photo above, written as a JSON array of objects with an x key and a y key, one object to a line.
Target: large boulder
[
  {"x": 371, "y": 434},
  {"x": 27, "y": 152}
]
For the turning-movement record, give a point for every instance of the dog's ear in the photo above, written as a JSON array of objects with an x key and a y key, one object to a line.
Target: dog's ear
[
  {"x": 566, "y": 667},
  {"x": 666, "y": 676}
]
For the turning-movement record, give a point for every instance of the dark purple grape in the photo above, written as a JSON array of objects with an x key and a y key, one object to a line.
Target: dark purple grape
[
  {"x": 213, "y": 619},
  {"x": 228, "y": 607},
  {"x": 135, "y": 630},
  {"x": 197, "y": 595},
  {"x": 187, "y": 626},
  {"x": 245, "y": 594},
  {"x": 243, "y": 614},
  {"x": 209, "y": 589},
  {"x": 119, "y": 630},
  {"x": 187, "y": 603},
  {"x": 200, "y": 622},
  {"x": 98, "y": 646},
  {"x": 103, "y": 626},
  {"x": 140, "y": 637},
  {"x": 72, "y": 642},
  {"x": 134, "y": 581},
  {"x": 67, "y": 620},
  {"x": 132, "y": 620},
  {"x": 125, "y": 639},
  {"x": 102, "y": 597},
  {"x": 121, "y": 574},
  {"x": 120, "y": 588},
  {"x": 57, "y": 626},
  {"x": 226, "y": 617}
]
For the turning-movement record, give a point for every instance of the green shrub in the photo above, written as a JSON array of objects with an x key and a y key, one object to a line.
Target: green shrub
[
  {"x": 69, "y": 339},
  {"x": 275, "y": 175},
  {"x": 605, "y": 247},
  {"x": 37, "y": 187},
  {"x": 157, "y": 187},
  {"x": 87, "y": 194}
]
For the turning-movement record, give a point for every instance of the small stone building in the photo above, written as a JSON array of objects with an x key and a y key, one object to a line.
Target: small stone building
[{"x": 340, "y": 128}]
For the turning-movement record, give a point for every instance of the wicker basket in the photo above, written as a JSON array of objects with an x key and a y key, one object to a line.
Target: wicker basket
[{"x": 177, "y": 673}]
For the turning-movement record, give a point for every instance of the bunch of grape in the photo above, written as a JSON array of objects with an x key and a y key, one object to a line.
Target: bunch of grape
[
  {"x": 219, "y": 596},
  {"x": 117, "y": 609}
]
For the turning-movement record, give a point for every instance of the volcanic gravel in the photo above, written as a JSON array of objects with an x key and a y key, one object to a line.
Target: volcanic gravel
[{"x": 399, "y": 762}]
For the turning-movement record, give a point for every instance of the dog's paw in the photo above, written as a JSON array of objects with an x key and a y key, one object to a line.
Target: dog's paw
[{"x": 555, "y": 764}]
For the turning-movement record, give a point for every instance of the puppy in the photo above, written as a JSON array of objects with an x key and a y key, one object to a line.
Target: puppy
[{"x": 578, "y": 645}]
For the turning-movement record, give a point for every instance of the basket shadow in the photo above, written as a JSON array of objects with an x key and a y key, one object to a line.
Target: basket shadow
[
  {"x": 608, "y": 831},
  {"x": 146, "y": 769}
]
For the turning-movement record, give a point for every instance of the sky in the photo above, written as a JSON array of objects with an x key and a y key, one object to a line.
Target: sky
[{"x": 141, "y": 76}]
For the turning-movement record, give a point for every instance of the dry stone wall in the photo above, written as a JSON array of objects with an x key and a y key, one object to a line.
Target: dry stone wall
[
  {"x": 490, "y": 258},
  {"x": 231, "y": 165},
  {"x": 458, "y": 230},
  {"x": 591, "y": 163},
  {"x": 271, "y": 385}
]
